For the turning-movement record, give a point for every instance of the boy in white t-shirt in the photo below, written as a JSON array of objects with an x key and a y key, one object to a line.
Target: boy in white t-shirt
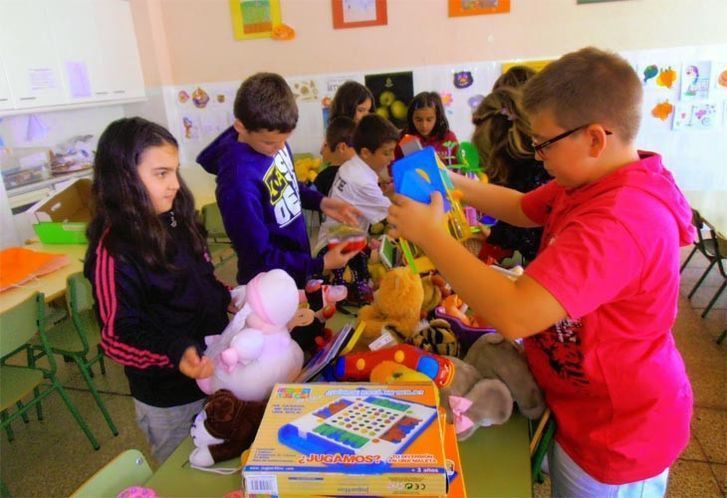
[{"x": 357, "y": 182}]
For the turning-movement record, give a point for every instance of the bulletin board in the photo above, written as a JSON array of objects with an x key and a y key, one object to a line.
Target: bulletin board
[{"x": 684, "y": 114}]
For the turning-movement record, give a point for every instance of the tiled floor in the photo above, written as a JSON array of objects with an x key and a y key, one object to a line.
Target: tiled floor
[{"x": 52, "y": 457}]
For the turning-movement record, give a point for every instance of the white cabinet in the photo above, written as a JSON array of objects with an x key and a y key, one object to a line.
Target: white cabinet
[
  {"x": 29, "y": 56},
  {"x": 118, "y": 49},
  {"x": 75, "y": 37},
  {"x": 6, "y": 99},
  {"x": 68, "y": 52}
]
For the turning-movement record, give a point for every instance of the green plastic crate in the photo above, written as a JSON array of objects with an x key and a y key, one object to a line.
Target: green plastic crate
[{"x": 55, "y": 232}]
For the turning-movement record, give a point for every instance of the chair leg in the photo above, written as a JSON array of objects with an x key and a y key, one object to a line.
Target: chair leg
[
  {"x": 85, "y": 371},
  {"x": 101, "y": 360},
  {"x": 686, "y": 261},
  {"x": 714, "y": 299},
  {"x": 23, "y": 415},
  {"x": 4, "y": 491},
  {"x": 8, "y": 428},
  {"x": 722, "y": 336},
  {"x": 76, "y": 415},
  {"x": 701, "y": 279}
]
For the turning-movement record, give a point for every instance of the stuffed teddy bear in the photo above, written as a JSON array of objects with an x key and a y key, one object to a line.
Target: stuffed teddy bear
[
  {"x": 397, "y": 303},
  {"x": 224, "y": 428},
  {"x": 491, "y": 377},
  {"x": 256, "y": 351}
]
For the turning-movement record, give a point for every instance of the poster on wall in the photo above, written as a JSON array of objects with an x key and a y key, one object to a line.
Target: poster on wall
[
  {"x": 254, "y": 18},
  {"x": 719, "y": 78},
  {"x": 657, "y": 76},
  {"x": 459, "y": 8},
  {"x": 358, "y": 13},
  {"x": 304, "y": 90},
  {"x": 696, "y": 77},
  {"x": 697, "y": 116},
  {"x": 392, "y": 94},
  {"x": 659, "y": 111}
]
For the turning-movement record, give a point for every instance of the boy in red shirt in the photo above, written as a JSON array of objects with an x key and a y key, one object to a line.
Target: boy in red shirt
[{"x": 597, "y": 304}]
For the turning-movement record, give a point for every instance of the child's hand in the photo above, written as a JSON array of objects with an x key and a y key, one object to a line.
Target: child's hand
[
  {"x": 195, "y": 367},
  {"x": 340, "y": 210},
  {"x": 336, "y": 258},
  {"x": 415, "y": 221}
]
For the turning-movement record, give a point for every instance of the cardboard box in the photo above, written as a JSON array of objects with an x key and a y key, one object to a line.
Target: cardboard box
[
  {"x": 347, "y": 439},
  {"x": 62, "y": 219}
]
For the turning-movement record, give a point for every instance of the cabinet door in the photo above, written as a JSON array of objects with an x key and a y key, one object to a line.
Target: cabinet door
[
  {"x": 6, "y": 100},
  {"x": 29, "y": 56},
  {"x": 73, "y": 29},
  {"x": 118, "y": 48}
]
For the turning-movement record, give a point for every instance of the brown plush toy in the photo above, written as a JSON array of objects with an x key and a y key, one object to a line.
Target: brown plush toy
[
  {"x": 492, "y": 375},
  {"x": 397, "y": 303},
  {"x": 224, "y": 428}
]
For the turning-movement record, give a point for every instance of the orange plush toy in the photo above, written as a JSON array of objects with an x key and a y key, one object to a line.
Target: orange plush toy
[{"x": 397, "y": 304}]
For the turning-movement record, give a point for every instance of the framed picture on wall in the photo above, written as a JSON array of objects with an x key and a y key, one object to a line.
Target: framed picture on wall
[
  {"x": 358, "y": 13},
  {"x": 458, "y": 8},
  {"x": 254, "y": 18}
]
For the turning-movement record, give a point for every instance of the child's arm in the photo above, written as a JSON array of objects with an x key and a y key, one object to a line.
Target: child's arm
[
  {"x": 501, "y": 203},
  {"x": 120, "y": 292},
  {"x": 195, "y": 367},
  {"x": 337, "y": 209},
  {"x": 515, "y": 308}
]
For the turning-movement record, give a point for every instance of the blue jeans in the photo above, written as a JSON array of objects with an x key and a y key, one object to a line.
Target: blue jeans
[
  {"x": 166, "y": 428},
  {"x": 568, "y": 480}
]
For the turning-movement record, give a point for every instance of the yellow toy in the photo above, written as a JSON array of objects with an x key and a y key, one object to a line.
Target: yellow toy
[
  {"x": 306, "y": 168},
  {"x": 390, "y": 372},
  {"x": 397, "y": 303}
]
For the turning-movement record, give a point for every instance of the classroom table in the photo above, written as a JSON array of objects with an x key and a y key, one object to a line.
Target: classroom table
[
  {"x": 495, "y": 459},
  {"x": 52, "y": 285}
]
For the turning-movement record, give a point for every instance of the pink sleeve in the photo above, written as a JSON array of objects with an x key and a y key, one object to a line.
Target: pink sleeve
[
  {"x": 588, "y": 263},
  {"x": 536, "y": 203}
]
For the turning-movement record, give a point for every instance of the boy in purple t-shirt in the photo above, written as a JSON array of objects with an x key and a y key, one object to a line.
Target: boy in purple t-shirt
[
  {"x": 597, "y": 303},
  {"x": 259, "y": 197}
]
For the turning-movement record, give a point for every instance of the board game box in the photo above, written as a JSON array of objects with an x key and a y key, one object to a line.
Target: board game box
[{"x": 347, "y": 439}]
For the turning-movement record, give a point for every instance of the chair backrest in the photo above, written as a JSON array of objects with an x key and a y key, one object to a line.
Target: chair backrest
[
  {"x": 129, "y": 468},
  {"x": 212, "y": 221},
  {"x": 20, "y": 323},
  {"x": 698, "y": 223},
  {"x": 80, "y": 293}
]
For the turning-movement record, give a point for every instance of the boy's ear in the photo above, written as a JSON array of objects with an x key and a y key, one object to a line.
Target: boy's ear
[
  {"x": 365, "y": 153},
  {"x": 239, "y": 127},
  {"x": 597, "y": 135},
  {"x": 342, "y": 148}
]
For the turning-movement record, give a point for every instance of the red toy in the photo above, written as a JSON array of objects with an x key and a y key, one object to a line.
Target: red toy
[
  {"x": 353, "y": 244},
  {"x": 358, "y": 366}
]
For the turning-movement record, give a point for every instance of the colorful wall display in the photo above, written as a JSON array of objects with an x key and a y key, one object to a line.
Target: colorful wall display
[
  {"x": 459, "y": 8},
  {"x": 392, "y": 94},
  {"x": 254, "y": 18},
  {"x": 358, "y": 13}
]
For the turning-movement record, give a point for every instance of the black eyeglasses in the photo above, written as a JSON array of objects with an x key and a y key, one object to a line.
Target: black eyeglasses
[{"x": 538, "y": 148}]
